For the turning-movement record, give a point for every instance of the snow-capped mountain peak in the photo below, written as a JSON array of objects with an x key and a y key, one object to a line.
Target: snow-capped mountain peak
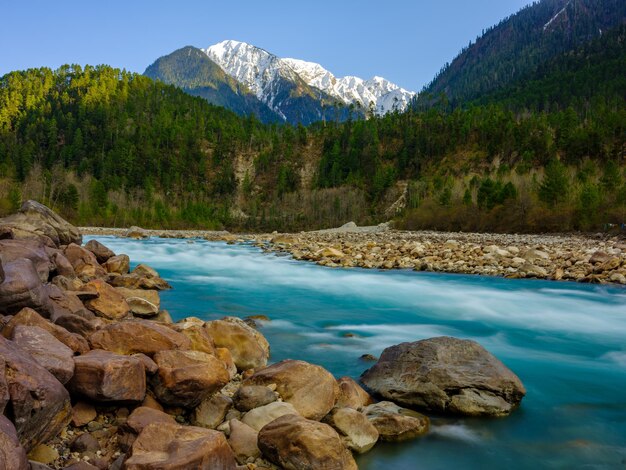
[{"x": 260, "y": 70}]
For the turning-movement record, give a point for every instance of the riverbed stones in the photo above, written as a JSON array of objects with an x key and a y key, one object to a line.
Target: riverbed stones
[
  {"x": 33, "y": 250},
  {"x": 46, "y": 350},
  {"x": 185, "y": 378},
  {"x": 311, "y": 389},
  {"x": 259, "y": 417},
  {"x": 109, "y": 304},
  {"x": 104, "y": 376},
  {"x": 395, "y": 423},
  {"x": 138, "y": 336},
  {"x": 357, "y": 432},
  {"x": 200, "y": 339},
  {"x": 175, "y": 447},
  {"x": 296, "y": 443},
  {"x": 12, "y": 454},
  {"x": 38, "y": 403},
  {"x": 21, "y": 287},
  {"x": 445, "y": 374},
  {"x": 249, "y": 348},
  {"x": 83, "y": 413}
]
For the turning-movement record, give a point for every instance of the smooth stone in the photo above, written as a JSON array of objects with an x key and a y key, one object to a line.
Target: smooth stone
[
  {"x": 12, "y": 454},
  {"x": 351, "y": 394},
  {"x": 248, "y": 397},
  {"x": 249, "y": 348},
  {"x": 243, "y": 441},
  {"x": 295, "y": 443},
  {"x": 394, "y": 423},
  {"x": 210, "y": 413},
  {"x": 143, "y": 416},
  {"x": 83, "y": 413},
  {"x": 259, "y": 417},
  {"x": 358, "y": 433}
]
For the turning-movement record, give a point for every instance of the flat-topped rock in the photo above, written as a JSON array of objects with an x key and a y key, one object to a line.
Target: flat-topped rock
[
  {"x": 109, "y": 303},
  {"x": 104, "y": 376},
  {"x": 138, "y": 336},
  {"x": 445, "y": 374},
  {"x": 174, "y": 447}
]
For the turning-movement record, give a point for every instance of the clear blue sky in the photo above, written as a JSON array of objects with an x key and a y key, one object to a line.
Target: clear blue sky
[{"x": 406, "y": 42}]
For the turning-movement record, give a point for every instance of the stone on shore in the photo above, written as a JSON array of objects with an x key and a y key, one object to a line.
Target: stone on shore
[
  {"x": 21, "y": 287},
  {"x": 259, "y": 417},
  {"x": 185, "y": 378},
  {"x": 445, "y": 374},
  {"x": 210, "y": 413},
  {"x": 311, "y": 389},
  {"x": 104, "y": 376},
  {"x": 351, "y": 394},
  {"x": 357, "y": 432},
  {"x": 84, "y": 262},
  {"x": 119, "y": 264},
  {"x": 34, "y": 220},
  {"x": 296, "y": 443},
  {"x": 109, "y": 303},
  {"x": 138, "y": 336},
  {"x": 83, "y": 413},
  {"x": 46, "y": 350},
  {"x": 38, "y": 403},
  {"x": 249, "y": 348},
  {"x": 243, "y": 441},
  {"x": 29, "y": 317},
  {"x": 101, "y": 252},
  {"x": 12, "y": 454},
  {"x": 142, "y": 417},
  {"x": 249, "y": 397},
  {"x": 394, "y": 423},
  {"x": 137, "y": 233},
  {"x": 169, "y": 446}
]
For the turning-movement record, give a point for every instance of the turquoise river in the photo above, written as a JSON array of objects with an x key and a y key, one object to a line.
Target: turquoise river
[{"x": 566, "y": 341}]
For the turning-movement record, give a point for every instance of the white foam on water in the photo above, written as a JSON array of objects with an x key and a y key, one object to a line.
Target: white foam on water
[
  {"x": 458, "y": 432},
  {"x": 578, "y": 311},
  {"x": 615, "y": 357}
]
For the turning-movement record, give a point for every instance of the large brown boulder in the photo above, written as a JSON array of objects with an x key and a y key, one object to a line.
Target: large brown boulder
[
  {"x": 295, "y": 443},
  {"x": 57, "y": 303},
  {"x": 104, "y": 376},
  {"x": 185, "y": 378},
  {"x": 35, "y": 220},
  {"x": 138, "y": 336},
  {"x": 28, "y": 316},
  {"x": 162, "y": 446},
  {"x": 12, "y": 454},
  {"x": 84, "y": 262},
  {"x": 249, "y": 348},
  {"x": 446, "y": 374},
  {"x": 38, "y": 403},
  {"x": 394, "y": 423},
  {"x": 311, "y": 389},
  {"x": 101, "y": 252},
  {"x": 46, "y": 350},
  {"x": 109, "y": 303},
  {"x": 21, "y": 287},
  {"x": 34, "y": 250}
]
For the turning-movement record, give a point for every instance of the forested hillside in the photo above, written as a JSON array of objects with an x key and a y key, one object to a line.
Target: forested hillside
[
  {"x": 518, "y": 46},
  {"x": 109, "y": 147}
]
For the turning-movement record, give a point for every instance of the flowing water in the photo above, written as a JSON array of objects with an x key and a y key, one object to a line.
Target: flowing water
[{"x": 567, "y": 343}]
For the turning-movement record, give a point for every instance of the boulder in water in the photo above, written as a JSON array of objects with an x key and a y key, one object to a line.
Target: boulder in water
[{"x": 445, "y": 374}]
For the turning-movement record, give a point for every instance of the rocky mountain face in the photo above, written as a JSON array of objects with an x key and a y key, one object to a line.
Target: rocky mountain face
[{"x": 248, "y": 79}]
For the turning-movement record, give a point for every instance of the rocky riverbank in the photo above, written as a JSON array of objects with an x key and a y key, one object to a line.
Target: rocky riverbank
[
  {"x": 95, "y": 375},
  {"x": 571, "y": 257}
]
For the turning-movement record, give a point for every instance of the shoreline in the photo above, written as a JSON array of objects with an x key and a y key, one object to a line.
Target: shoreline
[{"x": 566, "y": 257}]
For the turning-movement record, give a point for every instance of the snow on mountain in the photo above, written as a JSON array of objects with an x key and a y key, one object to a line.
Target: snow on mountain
[{"x": 259, "y": 70}]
